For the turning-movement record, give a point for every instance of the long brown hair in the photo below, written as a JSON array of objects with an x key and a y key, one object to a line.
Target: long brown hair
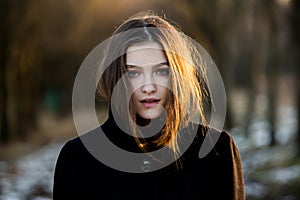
[{"x": 187, "y": 84}]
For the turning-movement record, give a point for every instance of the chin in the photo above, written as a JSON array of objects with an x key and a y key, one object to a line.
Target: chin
[{"x": 150, "y": 114}]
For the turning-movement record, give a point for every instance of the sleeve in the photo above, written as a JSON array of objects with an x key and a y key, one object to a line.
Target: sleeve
[
  {"x": 238, "y": 177},
  {"x": 230, "y": 168},
  {"x": 65, "y": 186}
]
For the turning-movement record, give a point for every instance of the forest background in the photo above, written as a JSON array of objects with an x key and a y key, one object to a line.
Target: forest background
[{"x": 254, "y": 43}]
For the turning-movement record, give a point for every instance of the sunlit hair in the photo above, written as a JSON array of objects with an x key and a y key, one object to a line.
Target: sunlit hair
[{"x": 186, "y": 71}]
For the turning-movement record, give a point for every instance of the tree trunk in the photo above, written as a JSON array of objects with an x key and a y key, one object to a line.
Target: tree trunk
[
  {"x": 273, "y": 68},
  {"x": 295, "y": 21},
  {"x": 4, "y": 41}
]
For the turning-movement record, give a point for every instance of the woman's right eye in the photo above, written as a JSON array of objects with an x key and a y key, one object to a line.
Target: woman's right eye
[{"x": 132, "y": 73}]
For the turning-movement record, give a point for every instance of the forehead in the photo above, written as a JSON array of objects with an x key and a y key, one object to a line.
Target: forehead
[{"x": 145, "y": 54}]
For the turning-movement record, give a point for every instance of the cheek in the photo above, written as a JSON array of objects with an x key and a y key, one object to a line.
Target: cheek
[
  {"x": 166, "y": 85},
  {"x": 164, "y": 91},
  {"x": 135, "y": 84},
  {"x": 163, "y": 81},
  {"x": 131, "y": 87},
  {"x": 134, "y": 96}
]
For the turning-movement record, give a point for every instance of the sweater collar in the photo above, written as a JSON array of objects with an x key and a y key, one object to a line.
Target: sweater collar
[{"x": 124, "y": 139}]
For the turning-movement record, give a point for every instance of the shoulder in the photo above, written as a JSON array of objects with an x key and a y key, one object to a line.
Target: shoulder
[
  {"x": 222, "y": 138},
  {"x": 75, "y": 149},
  {"x": 214, "y": 142},
  {"x": 206, "y": 132},
  {"x": 226, "y": 145},
  {"x": 71, "y": 152},
  {"x": 72, "y": 145}
]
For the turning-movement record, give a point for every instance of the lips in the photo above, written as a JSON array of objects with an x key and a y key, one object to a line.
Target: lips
[{"x": 149, "y": 102}]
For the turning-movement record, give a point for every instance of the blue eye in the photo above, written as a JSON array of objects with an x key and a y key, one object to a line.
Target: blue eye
[
  {"x": 163, "y": 72},
  {"x": 133, "y": 73}
]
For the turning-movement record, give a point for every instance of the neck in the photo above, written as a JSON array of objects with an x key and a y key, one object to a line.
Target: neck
[{"x": 142, "y": 121}]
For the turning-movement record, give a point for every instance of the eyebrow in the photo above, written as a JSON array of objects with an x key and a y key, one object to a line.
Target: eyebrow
[{"x": 154, "y": 66}]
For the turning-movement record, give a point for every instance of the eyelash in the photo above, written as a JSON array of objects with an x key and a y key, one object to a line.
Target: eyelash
[
  {"x": 130, "y": 72},
  {"x": 161, "y": 72}
]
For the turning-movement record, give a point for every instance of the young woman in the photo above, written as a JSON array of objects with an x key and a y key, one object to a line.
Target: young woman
[{"x": 153, "y": 84}]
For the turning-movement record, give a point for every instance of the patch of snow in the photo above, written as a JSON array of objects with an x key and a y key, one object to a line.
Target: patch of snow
[
  {"x": 35, "y": 170},
  {"x": 284, "y": 175},
  {"x": 254, "y": 189}
]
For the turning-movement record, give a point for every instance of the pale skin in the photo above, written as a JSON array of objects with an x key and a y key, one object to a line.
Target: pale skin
[{"x": 149, "y": 74}]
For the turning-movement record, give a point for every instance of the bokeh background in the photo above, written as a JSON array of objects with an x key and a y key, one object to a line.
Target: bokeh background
[{"x": 255, "y": 44}]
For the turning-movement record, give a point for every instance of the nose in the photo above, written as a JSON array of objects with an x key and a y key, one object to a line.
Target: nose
[
  {"x": 149, "y": 88},
  {"x": 149, "y": 85}
]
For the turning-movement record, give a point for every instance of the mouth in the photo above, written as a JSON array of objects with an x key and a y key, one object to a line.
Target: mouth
[{"x": 149, "y": 102}]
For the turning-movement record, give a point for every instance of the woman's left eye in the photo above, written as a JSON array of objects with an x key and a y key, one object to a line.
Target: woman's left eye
[
  {"x": 163, "y": 72},
  {"x": 132, "y": 73}
]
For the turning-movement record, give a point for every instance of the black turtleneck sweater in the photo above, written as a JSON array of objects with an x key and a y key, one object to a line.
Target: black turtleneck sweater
[{"x": 79, "y": 175}]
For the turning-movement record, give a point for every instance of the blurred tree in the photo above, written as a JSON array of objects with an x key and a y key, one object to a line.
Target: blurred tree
[
  {"x": 272, "y": 13},
  {"x": 4, "y": 42},
  {"x": 20, "y": 69},
  {"x": 257, "y": 30},
  {"x": 295, "y": 22}
]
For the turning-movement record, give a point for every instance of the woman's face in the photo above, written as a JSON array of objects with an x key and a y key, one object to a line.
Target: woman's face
[{"x": 148, "y": 72}]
